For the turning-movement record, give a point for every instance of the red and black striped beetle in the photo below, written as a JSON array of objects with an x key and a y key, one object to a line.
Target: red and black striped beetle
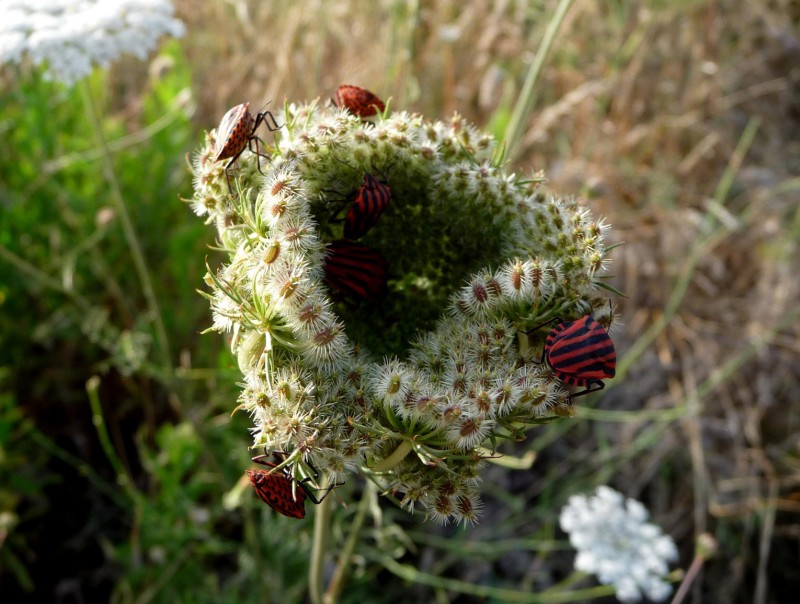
[
  {"x": 356, "y": 270},
  {"x": 369, "y": 202},
  {"x": 237, "y": 132},
  {"x": 580, "y": 353},
  {"x": 276, "y": 488}
]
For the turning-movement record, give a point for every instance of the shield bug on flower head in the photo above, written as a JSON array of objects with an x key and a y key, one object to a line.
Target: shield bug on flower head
[
  {"x": 237, "y": 131},
  {"x": 355, "y": 270},
  {"x": 369, "y": 202},
  {"x": 277, "y": 488},
  {"x": 580, "y": 353},
  {"x": 358, "y": 101}
]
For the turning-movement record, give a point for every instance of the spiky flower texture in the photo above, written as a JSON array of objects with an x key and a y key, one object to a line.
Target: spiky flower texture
[
  {"x": 416, "y": 388},
  {"x": 70, "y": 37}
]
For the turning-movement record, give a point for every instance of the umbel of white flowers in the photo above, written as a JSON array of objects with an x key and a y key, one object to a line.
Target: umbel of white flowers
[
  {"x": 415, "y": 387},
  {"x": 616, "y": 543},
  {"x": 71, "y": 37}
]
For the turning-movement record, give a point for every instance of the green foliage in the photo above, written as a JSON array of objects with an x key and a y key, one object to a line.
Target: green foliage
[
  {"x": 71, "y": 306},
  {"x": 58, "y": 218},
  {"x": 22, "y": 476},
  {"x": 187, "y": 540}
]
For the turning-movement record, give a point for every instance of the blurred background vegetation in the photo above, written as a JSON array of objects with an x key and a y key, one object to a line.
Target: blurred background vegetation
[{"x": 120, "y": 465}]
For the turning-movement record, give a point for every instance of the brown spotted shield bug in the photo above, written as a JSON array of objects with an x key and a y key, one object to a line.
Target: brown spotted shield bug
[
  {"x": 358, "y": 101},
  {"x": 237, "y": 132},
  {"x": 276, "y": 487}
]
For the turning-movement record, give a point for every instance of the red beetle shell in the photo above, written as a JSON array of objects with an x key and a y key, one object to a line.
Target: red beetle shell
[
  {"x": 356, "y": 270},
  {"x": 580, "y": 352},
  {"x": 358, "y": 101},
  {"x": 234, "y": 131},
  {"x": 369, "y": 202},
  {"x": 276, "y": 490}
]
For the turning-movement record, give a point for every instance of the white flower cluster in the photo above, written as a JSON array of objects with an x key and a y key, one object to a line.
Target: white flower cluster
[
  {"x": 70, "y": 37},
  {"x": 616, "y": 543},
  {"x": 467, "y": 255}
]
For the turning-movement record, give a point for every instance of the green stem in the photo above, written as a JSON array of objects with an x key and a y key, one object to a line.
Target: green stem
[
  {"x": 395, "y": 458},
  {"x": 98, "y": 419},
  {"x": 340, "y": 574},
  {"x": 139, "y": 262},
  {"x": 527, "y": 98},
  {"x": 499, "y": 594},
  {"x": 321, "y": 529}
]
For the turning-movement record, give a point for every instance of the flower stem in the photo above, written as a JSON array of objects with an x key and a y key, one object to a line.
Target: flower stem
[
  {"x": 395, "y": 458},
  {"x": 321, "y": 530},
  {"x": 132, "y": 240},
  {"x": 705, "y": 548},
  {"x": 98, "y": 419},
  {"x": 340, "y": 574}
]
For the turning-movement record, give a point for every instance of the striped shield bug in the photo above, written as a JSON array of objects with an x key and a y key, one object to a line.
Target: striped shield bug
[
  {"x": 277, "y": 489},
  {"x": 237, "y": 132},
  {"x": 355, "y": 270},
  {"x": 369, "y": 202},
  {"x": 580, "y": 353},
  {"x": 358, "y": 101}
]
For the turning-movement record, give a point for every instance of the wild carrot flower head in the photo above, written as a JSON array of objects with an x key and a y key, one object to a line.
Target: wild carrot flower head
[
  {"x": 616, "y": 543},
  {"x": 403, "y": 352},
  {"x": 70, "y": 37}
]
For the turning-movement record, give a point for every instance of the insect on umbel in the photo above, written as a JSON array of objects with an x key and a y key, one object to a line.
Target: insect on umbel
[
  {"x": 580, "y": 353},
  {"x": 356, "y": 270},
  {"x": 358, "y": 101},
  {"x": 369, "y": 202},
  {"x": 237, "y": 132},
  {"x": 277, "y": 488}
]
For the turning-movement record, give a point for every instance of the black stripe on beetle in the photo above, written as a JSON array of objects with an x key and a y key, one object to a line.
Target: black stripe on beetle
[
  {"x": 581, "y": 353},
  {"x": 356, "y": 270},
  {"x": 369, "y": 202}
]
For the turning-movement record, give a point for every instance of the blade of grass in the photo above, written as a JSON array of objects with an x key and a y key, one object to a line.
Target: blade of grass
[
  {"x": 409, "y": 573},
  {"x": 322, "y": 522},
  {"x": 527, "y": 98},
  {"x": 336, "y": 584},
  {"x": 695, "y": 255}
]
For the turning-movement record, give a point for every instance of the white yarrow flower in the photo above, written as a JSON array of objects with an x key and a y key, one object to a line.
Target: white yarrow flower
[
  {"x": 617, "y": 544},
  {"x": 70, "y": 37}
]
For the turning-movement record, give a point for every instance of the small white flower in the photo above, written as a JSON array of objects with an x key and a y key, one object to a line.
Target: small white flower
[
  {"x": 391, "y": 382},
  {"x": 327, "y": 347},
  {"x": 616, "y": 543},
  {"x": 469, "y": 430},
  {"x": 71, "y": 37},
  {"x": 225, "y": 311},
  {"x": 479, "y": 297}
]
